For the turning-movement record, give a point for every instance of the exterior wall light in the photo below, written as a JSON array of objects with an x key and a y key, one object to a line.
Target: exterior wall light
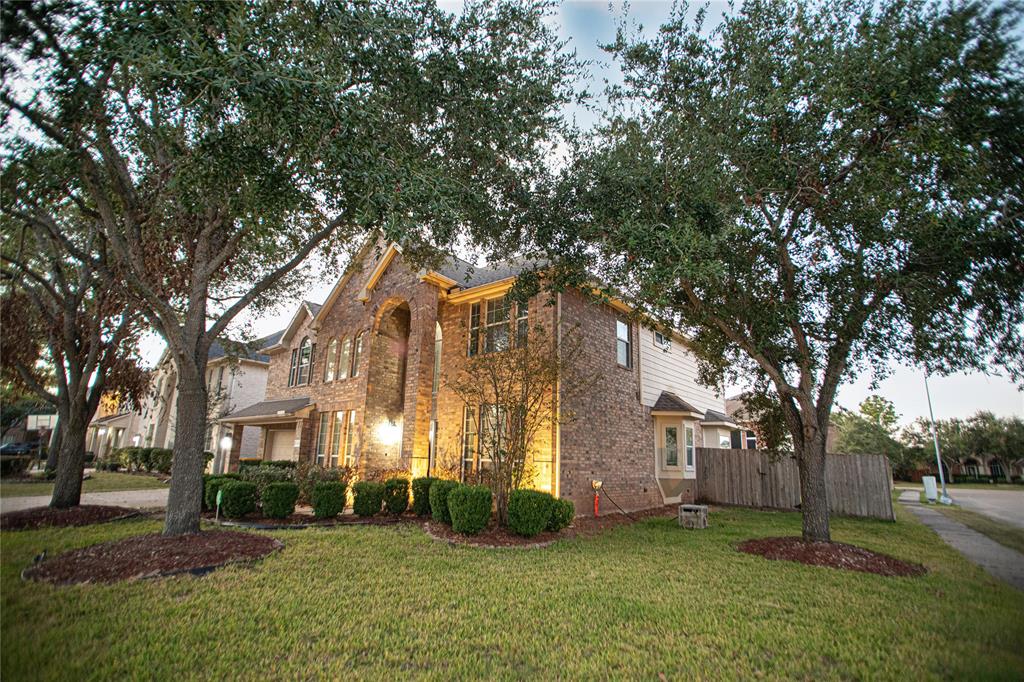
[
  {"x": 389, "y": 433},
  {"x": 225, "y": 442}
]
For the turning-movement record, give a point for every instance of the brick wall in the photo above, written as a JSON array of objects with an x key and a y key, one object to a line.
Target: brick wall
[{"x": 611, "y": 438}]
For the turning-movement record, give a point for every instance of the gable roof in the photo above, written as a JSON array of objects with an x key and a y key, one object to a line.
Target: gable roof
[
  {"x": 714, "y": 417},
  {"x": 269, "y": 408},
  {"x": 275, "y": 340},
  {"x": 245, "y": 351},
  {"x": 670, "y": 403}
]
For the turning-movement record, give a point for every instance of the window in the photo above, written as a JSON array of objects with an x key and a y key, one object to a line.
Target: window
[
  {"x": 522, "y": 323},
  {"x": 339, "y": 420},
  {"x": 689, "y": 447},
  {"x": 331, "y": 361},
  {"x": 736, "y": 439},
  {"x": 350, "y": 440},
  {"x": 345, "y": 359},
  {"x": 437, "y": 358},
  {"x": 493, "y": 433},
  {"x": 321, "y": 439},
  {"x": 294, "y": 367},
  {"x": 995, "y": 467},
  {"x": 220, "y": 379},
  {"x": 661, "y": 341},
  {"x": 751, "y": 441},
  {"x": 624, "y": 344},
  {"x": 671, "y": 446},
  {"x": 468, "y": 441},
  {"x": 305, "y": 362},
  {"x": 357, "y": 350},
  {"x": 496, "y": 325},
  {"x": 492, "y": 333}
]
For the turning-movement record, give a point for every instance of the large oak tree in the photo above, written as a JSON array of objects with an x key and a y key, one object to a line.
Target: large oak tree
[
  {"x": 812, "y": 190},
  {"x": 217, "y": 145}
]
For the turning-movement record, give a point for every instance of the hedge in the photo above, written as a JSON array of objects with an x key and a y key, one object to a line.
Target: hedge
[
  {"x": 529, "y": 511},
  {"x": 562, "y": 513},
  {"x": 214, "y": 484},
  {"x": 470, "y": 508},
  {"x": 421, "y": 495},
  {"x": 396, "y": 495},
  {"x": 369, "y": 496},
  {"x": 439, "y": 491},
  {"x": 160, "y": 460},
  {"x": 278, "y": 500},
  {"x": 239, "y": 499},
  {"x": 328, "y": 499},
  {"x": 263, "y": 476}
]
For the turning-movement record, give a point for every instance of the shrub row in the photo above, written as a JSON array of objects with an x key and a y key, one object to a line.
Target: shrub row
[
  {"x": 469, "y": 507},
  {"x": 145, "y": 459},
  {"x": 533, "y": 511}
]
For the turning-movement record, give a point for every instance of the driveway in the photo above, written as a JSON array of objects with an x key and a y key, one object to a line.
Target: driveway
[
  {"x": 142, "y": 499},
  {"x": 1003, "y": 505}
]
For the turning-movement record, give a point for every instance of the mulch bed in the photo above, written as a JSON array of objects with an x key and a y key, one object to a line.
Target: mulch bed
[
  {"x": 82, "y": 515},
  {"x": 830, "y": 554},
  {"x": 300, "y": 520},
  {"x": 151, "y": 556},
  {"x": 495, "y": 536}
]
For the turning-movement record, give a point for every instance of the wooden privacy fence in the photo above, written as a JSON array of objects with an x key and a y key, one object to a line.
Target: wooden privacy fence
[{"x": 858, "y": 485}]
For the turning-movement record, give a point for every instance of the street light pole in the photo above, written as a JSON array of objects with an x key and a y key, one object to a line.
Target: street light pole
[{"x": 944, "y": 499}]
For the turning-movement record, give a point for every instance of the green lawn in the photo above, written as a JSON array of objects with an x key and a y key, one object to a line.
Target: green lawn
[
  {"x": 98, "y": 482},
  {"x": 633, "y": 603},
  {"x": 965, "y": 486}
]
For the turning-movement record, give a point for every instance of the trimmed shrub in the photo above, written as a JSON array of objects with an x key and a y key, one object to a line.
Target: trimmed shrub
[
  {"x": 421, "y": 495},
  {"x": 529, "y": 511},
  {"x": 439, "y": 491},
  {"x": 396, "y": 495},
  {"x": 470, "y": 508},
  {"x": 160, "y": 460},
  {"x": 214, "y": 484},
  {"x": 369, "y": 496},
  {"x": 328, "y": 499},
  {"x": 239, "y": 499},
  {"x": 562, "y": 513},
  {"x": 14, "y": 465},
  {"x": 263, "y": 476},
  {"x": 308, "y": 474},
  {"x": 281, "y": 464},
  {"x": 249, "y": 462},
  {"x": 278, "y": 500}
]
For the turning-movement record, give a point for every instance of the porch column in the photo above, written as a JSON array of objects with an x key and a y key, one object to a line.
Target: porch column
[{"x": 236, "y": 447}]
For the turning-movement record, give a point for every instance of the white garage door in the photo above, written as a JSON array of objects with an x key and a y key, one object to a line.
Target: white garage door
[{"x": 281, "y": 444}]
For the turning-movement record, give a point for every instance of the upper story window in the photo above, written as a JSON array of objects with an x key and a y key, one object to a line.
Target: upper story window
[
  {"x": 661, "y": 341},
  {"x": 304, "y": 367},
  {"x": 490, "y": 324},
  {"x": 220, "y": 379},
  {"x": 624, "y": 344},
  {"x": 345, "y": 358},
  {"x": 331, "y": 361},
  {"x": 357, "y": 351},
  {"x": 437, "y": 358},
  {"x": 294, "y": 367}
]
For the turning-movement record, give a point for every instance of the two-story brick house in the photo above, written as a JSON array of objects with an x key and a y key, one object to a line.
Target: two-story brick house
[{"x": 360, "y": 381}]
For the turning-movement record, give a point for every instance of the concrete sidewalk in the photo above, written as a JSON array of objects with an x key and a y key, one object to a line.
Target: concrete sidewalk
[
  {"x": 142, "y": 499},
  {"x": 999, "y": 561}
]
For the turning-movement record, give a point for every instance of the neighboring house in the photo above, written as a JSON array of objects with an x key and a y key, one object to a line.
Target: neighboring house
[
  {"x": 747, "y": 437},
  {"x": 236, "y": 377},
  {"x": 32, "y": 428},
  {"x": 359, "y": 382},
  {"x": 111, "y": 427}
]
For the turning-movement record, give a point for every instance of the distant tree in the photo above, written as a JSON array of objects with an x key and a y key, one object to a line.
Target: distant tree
[
  {"x": 811, "y": 190},
  {"x": 982, "y": 437},
  {"x": 64, "y": 311},
  {"x": 880, "y": 411},
  {"x": 517, "y": 384},
  {"x": 214, "y": 146}
]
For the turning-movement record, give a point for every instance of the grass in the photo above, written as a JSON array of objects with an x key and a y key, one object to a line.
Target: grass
[
  {"x": 632, "y": 603},
  {"x": 98, "y": 482},
  {"x": 965, "y": 486},
  {"x": 1004, "y": 533}
]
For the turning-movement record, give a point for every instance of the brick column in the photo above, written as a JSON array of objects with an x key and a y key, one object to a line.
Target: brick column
[{"x": 236, "y": 447}]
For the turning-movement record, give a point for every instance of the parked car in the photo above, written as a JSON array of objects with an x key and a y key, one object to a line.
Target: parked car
[{"x": 19, "y": 448}]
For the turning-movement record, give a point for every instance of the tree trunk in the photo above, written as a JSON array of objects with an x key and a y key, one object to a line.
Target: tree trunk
[
  {"x": 813, "y": 493},
  {"x": 184, "y": 500},
  {"x": 53, "y": 450},
  {"x": 67, "y": 488}
]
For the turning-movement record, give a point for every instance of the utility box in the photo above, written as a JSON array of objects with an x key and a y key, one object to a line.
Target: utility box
[
  {"x": 693, "y": 516},
  {"x": 931, "y": 491}
]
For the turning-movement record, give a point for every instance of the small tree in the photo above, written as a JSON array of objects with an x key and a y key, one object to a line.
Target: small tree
[
  {"x": 812, "y": 190},
  {"x": 518, "y": 391}
]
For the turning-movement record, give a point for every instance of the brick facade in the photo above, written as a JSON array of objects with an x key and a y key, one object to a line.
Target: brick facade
[{"x": 611, "y": 436}]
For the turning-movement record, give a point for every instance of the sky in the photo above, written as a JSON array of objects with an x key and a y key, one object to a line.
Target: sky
[{"x": 586, "y": 25}]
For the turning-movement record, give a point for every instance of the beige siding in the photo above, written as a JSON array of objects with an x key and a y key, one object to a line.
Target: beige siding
[{"x": 674, "y": 371}]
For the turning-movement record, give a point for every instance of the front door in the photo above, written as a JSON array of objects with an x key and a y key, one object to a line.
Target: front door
[{"x": 281, "y": 444}]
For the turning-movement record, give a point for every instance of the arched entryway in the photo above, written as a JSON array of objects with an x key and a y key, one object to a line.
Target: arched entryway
[{"x": 385, "y": 390}]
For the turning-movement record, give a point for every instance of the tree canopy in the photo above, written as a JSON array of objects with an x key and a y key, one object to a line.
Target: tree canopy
[{"x": 811, "y": 190}]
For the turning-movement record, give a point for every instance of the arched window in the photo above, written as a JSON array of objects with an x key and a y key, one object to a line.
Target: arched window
[
  {"x": 305, "y": 358},
  {"x": 995, "y": 467},
  {"x": 357, "y": 350},
  {"x": 330, "y": 362},
  {"x": 345, "y": 359}
]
